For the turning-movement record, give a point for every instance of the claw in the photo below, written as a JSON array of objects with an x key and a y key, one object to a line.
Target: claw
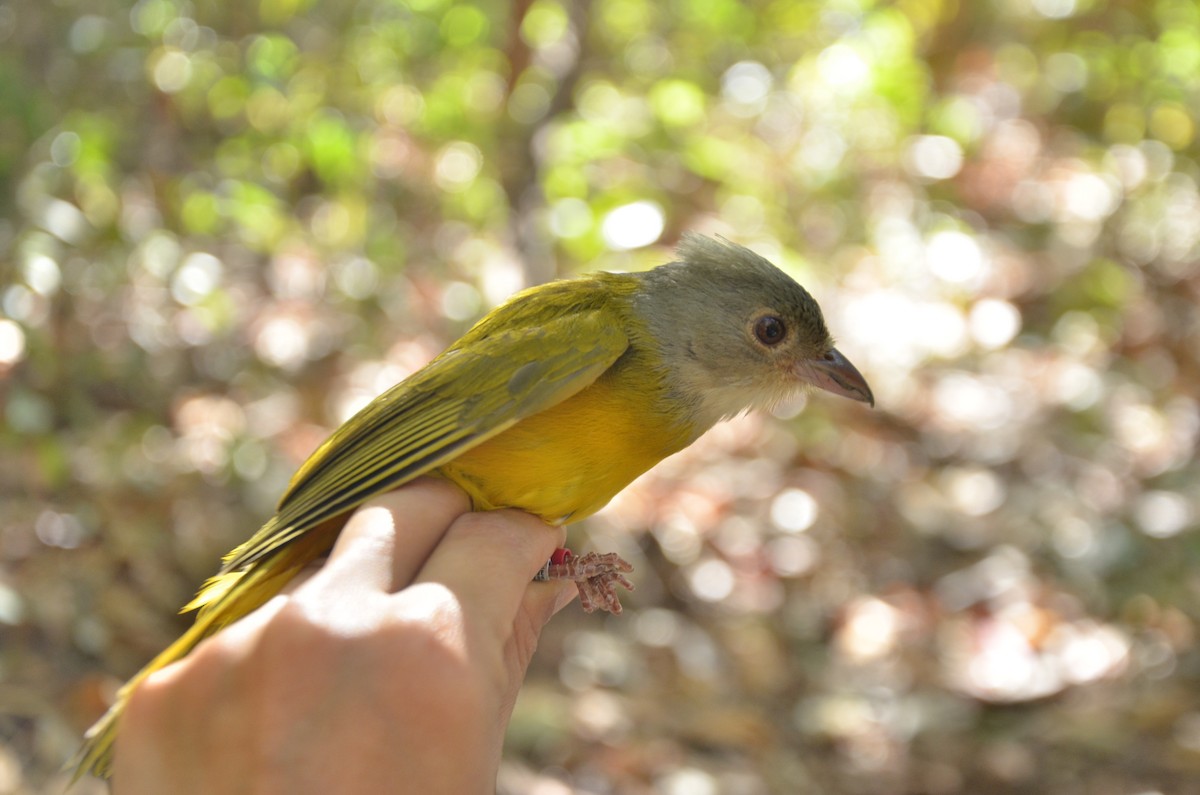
[{"x": 596, "y": 576}]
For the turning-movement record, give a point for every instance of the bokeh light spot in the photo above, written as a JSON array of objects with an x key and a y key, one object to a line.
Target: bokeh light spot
[
  {"x": 197, "y": 277},
  {"x": 1162, "y": 514},
  {"x": 955, "y": 257},
  {"x": 1089, "y": 197},
  {"x": 42, "y": 274},
  {"x": 1066, "y": 71},
  {"x": 1055, "y": 9},
  {"x": 172, "y": 71},
  {"x": 793, "y": 556},
  {"x": 975, "y": 492},
  {"x": 712, "y": 580},
  {"x": 934, "y": 157},
  {"x": 12, "y": 342},
  {"x": 870, "y": 630},
  {"x": 794, "y": 511},
  {"x": 281, "y": 341},
  {"x": 994, "y": 323},
  {"x": 457, "y": 166},
  {"x": 688, "y": 781},
  {"x": 461, "y": 301},
  {"x": 633, "y": 225},
  {"x": 746, "y": 85},
  {"x": 842, "y": 66},
  {"x": 58, "y": 529},
  {"x": 64, "y": 150}
]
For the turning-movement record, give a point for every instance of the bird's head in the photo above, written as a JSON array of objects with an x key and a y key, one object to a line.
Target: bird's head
[{"x": 735, "y": 332}]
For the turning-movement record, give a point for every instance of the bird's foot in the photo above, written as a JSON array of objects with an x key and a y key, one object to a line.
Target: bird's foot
[{"x": 596, "y": 576}]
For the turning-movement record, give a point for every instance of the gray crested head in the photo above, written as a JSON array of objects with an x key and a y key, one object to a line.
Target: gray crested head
[{"x": 736, "y": 332}]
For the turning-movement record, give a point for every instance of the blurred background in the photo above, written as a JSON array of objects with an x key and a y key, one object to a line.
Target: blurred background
[{"x": 225, "y": 226}]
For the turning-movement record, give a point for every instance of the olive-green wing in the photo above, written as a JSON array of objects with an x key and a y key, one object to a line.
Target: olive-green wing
[{"x": 459, "y": 400}]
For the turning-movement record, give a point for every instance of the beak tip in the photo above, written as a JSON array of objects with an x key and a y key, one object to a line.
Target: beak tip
[{"x": 834, "y": 373}]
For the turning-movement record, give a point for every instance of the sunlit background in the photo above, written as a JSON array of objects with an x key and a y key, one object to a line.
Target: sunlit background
[{"x": 226, "y": 226}]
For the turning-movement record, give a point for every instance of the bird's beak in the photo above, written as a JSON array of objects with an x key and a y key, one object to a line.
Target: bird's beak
[{"x": 834, "y": 373}]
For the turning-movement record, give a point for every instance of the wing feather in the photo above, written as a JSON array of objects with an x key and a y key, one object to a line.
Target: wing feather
[{"x": 459, "y": 400}]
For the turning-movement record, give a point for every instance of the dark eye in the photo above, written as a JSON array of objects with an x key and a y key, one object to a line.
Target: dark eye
[{"x": 770, "y": 330}]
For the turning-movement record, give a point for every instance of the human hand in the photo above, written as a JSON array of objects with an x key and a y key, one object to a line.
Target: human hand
[{"x": 394, "y": 668}]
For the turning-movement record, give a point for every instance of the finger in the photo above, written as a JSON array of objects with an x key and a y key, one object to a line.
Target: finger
[
  {"x": 307, "y": 573},
  {"x": 386, "y": 541},
  {"x": 488, "y": 560},
  {"x": 541, "y": 603}
]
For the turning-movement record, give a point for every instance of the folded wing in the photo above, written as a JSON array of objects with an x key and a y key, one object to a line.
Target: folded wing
[{"x": 459, "y": 400}]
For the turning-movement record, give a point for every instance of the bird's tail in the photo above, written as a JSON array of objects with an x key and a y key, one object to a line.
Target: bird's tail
[{"x": 223, "y": 600}]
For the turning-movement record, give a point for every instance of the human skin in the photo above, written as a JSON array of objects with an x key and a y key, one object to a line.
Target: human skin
[{"x": 391, "y": 669}]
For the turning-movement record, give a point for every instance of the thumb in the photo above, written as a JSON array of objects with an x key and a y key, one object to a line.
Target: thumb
[{"x": 541, "y": 601}]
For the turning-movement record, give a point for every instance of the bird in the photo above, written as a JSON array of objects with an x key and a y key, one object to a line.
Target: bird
[{"x": 552, "y": 403}]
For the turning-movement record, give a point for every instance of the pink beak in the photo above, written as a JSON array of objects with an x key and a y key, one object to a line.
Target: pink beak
[{"x": 834, "y": 373}]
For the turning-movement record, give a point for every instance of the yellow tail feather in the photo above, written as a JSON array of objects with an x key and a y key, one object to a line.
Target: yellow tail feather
[{"x": 223, "y": 600}]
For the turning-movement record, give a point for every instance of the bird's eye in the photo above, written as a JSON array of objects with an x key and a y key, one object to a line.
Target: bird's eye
[{"x": 770, "y": 330}]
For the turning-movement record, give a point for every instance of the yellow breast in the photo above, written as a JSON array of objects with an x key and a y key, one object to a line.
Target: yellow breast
[{"x": 567, "y": 462}]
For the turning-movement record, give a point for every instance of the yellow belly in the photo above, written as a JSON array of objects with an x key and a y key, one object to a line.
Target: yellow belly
[{"x": 567, "y": 462}]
